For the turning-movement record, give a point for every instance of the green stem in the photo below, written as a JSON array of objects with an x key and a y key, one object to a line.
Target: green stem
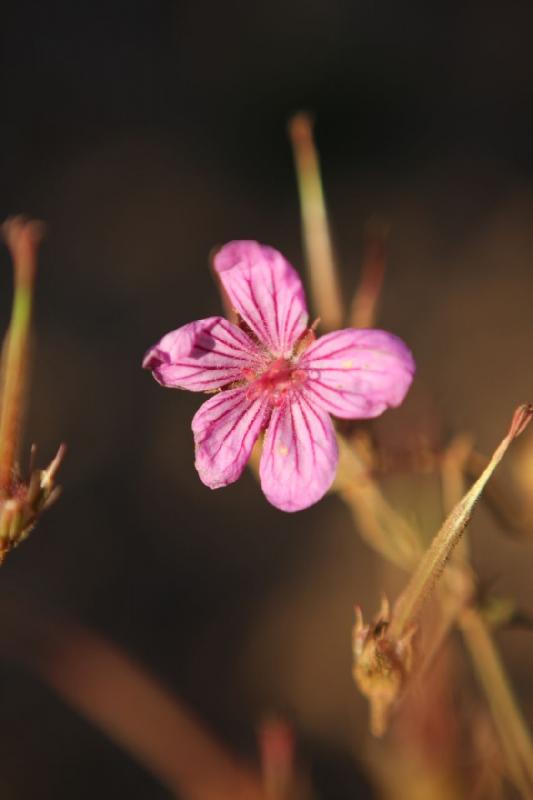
[
  {"x": 22, "y": 239},
  {"x": 509, "y": 723},
  {"x": 315, "y": 226}
]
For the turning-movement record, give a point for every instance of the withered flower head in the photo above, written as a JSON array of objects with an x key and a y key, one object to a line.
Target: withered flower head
[
  {"x": 20, "y": 511},
  {"x": 381, "y": 665}
]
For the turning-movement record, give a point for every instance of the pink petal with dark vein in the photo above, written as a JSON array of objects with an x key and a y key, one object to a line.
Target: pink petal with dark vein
[
  {"x": 299, "y": 455},
  {"x": 225, "y": 430},
  {"x": 357, "y": 374},
  {"x": 202, "y": 355},
  {"x": 266, "y": 291}
]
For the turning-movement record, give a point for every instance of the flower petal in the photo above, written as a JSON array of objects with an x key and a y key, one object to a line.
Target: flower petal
[
  {"x": 357, "y": 374},
  {"x": 299, "y": 455},
  {"x": 265, "y": 290},
  {"x": 225, "y": 430},
  {"x": 202, "y": 355}
]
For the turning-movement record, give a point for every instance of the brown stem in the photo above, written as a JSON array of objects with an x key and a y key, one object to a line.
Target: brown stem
[{"x": 121, "y": 698}]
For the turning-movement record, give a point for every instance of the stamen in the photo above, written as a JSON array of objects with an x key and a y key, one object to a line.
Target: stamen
[{"x": 279, "y": 377}]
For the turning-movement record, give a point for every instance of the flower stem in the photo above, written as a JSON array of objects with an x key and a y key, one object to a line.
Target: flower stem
[
  {"x": 316, "y": 232},
  {"x": 366, "y": 298},
  {"x": 434, "y": 560},
  {"x": 22, "y": 238},
  {"x": 509, "y": 723},
  {"x": 379, "y": 524}
]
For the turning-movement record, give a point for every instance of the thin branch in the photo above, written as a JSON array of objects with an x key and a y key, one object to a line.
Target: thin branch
[
  {"x": 509, "y": 723},
  {"x": 121, "y": 698},
  {"x": 317, "y": 237}
]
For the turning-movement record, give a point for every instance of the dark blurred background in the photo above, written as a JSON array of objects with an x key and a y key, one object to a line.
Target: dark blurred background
[{"x": 144, "y": 133}]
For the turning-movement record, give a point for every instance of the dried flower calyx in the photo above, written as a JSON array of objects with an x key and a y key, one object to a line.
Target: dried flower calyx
[
  {"x": 22, "y": 507},
  {"x": 381, "y": 665}
]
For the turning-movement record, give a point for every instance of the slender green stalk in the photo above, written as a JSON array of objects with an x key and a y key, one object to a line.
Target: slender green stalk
[
  {"x": 23, "y": 239},
  {"x": 509, "y": 723},
  {"x": 379, "y": 524},
  {"x": 316, "y": 232},
  {"x": 433, "y": 562}
]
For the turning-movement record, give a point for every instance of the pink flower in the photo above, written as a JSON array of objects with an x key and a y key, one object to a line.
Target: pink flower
[{"x": 271, "y": 374}]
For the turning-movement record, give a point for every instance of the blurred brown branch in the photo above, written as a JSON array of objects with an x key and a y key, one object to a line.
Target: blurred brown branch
[
  {"x": 120, "y": 697},
  {"x": 366, "y": 298}
]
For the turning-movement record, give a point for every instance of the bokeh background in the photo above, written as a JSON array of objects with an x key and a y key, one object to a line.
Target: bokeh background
[{"x": 144, "y": 133}]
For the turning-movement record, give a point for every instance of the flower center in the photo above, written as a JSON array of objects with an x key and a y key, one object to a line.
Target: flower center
[{"x": 275, "y": 381}]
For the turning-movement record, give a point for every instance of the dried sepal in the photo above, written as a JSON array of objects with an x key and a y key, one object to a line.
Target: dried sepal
[
  {"x": 381, "y": 665},
  {"x": 20, "y": 511}
]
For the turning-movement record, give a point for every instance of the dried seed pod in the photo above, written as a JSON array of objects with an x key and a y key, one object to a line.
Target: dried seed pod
[{"x": 381, "y": 665}]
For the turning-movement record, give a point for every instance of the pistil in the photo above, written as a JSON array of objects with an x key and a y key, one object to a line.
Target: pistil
[{"x": 275, "y": 381}]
